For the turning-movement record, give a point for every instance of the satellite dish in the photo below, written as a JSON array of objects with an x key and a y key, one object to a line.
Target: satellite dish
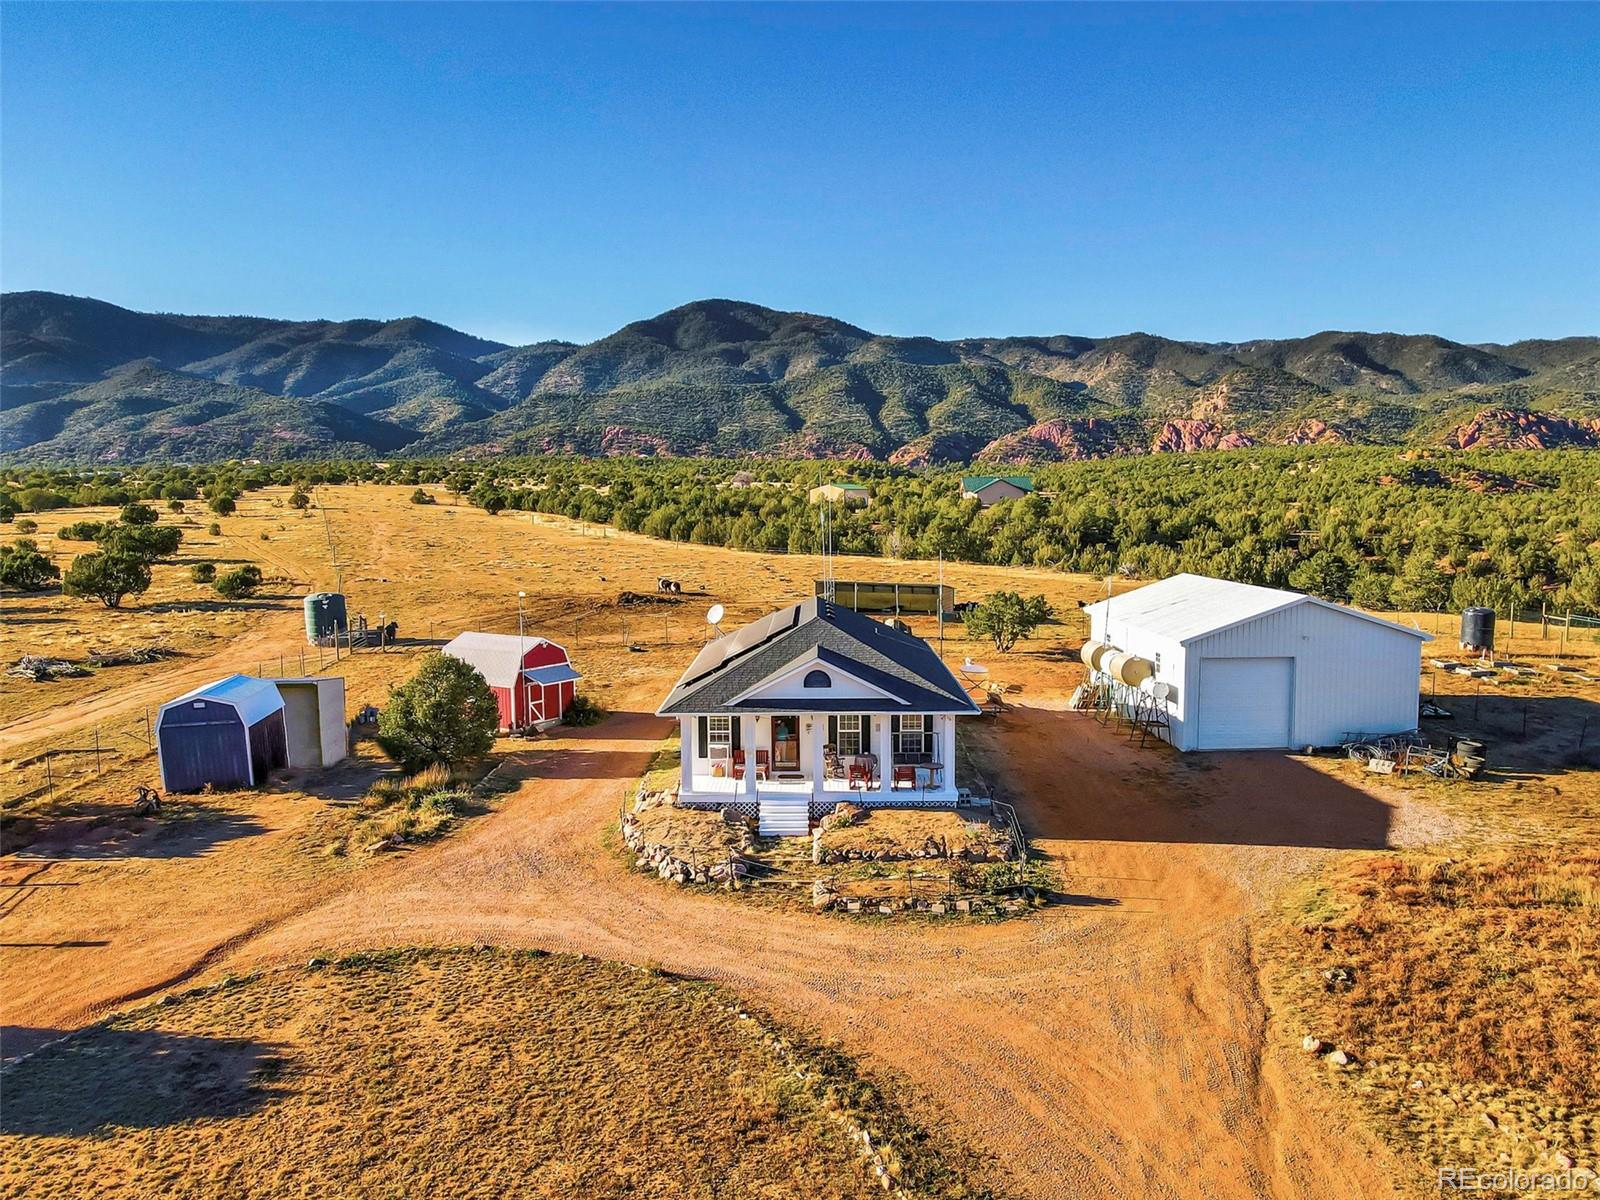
[
  {"x": 972, "y": 668},
  {"x": 715, "y": 615}
]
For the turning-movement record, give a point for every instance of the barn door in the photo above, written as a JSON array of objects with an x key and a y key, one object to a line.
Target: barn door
[{"x": 1246, "y": 703}]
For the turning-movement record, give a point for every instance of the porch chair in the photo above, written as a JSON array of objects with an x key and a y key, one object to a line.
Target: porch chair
[{"x": 905, "y": 773}]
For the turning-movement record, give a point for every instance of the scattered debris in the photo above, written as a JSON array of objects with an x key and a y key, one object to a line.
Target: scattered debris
[
  {"x": 42, "y": 670},
  {"x": 147, "y": 803},
  {"x": 637, "y": 599},
  {"x": 135, "y": 657},
  {"x": 1339, "y": 978}
]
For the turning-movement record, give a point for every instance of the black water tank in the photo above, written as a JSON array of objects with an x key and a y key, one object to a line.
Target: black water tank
[{"x": 1477, "y": 628}]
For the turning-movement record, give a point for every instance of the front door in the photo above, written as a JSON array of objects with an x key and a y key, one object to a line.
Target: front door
[{"x": 786, "y": 743}]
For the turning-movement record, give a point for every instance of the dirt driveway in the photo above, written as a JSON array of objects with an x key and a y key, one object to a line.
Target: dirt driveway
[{"x": 1113, "y": 1045}]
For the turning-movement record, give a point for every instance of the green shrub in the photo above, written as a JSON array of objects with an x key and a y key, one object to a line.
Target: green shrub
[
  {"x": 1007, "y": 617},
  {"x": 138, "y": 514},
  {"x": 141, "y": 541},
  {"x": 203, "y": 572},
  {"x": 214, "y": 530},
  {"x": 445, "y": 715},
  {"x": 106, "y": 576},
  {"x": 40, "y": 500},
  {"x": 27, "y": 525},
  {"x": 421, "y": 497},
  {"x": 583, "y": 711},
  {"x": 81, "y": 531},
  {"x": 239, "y": 583},
  {"x": 25, "y": 568}
]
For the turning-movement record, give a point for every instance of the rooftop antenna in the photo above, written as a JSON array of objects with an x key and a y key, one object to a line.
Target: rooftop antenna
[
  {"x": 826, "y": 517},
  {"x": 714, "y": 617}
]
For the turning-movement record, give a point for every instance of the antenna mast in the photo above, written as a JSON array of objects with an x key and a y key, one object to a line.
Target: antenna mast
[{"x": 826, "y": 517}]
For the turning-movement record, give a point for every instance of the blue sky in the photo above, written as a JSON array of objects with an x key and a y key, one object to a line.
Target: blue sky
[{"x": 1218, "y": 173}]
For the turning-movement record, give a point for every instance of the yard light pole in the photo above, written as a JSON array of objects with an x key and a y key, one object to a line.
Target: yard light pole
[{"x": 522, "y": 657}]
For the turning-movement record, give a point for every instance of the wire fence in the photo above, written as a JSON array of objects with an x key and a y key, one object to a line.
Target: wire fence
[{"x": 60, "y": 768}]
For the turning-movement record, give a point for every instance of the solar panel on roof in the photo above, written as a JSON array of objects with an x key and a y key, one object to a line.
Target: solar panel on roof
[{"x": 715, "y": 655}]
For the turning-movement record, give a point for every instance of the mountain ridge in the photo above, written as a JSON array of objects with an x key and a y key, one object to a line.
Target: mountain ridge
[{"x": 731, "y": 377}]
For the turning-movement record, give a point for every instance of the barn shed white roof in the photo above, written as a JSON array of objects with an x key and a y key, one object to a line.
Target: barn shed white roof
[
  {"x": 252, "y": 698},
  {"x": 1185, "y": 607},
  {"x": 495, "y": 656}
]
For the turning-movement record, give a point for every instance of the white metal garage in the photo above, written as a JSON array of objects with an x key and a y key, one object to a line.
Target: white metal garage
[{"x": 1244, "y": 667}]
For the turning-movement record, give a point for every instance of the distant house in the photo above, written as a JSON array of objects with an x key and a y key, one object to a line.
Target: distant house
[
  {"x": 742, "y": 479},
  {"x": 991, "y": 489},
  {"x": 825, "y": 705},
  {"x": 855, "y": 494},
  {"x": 533, "y": 680}
]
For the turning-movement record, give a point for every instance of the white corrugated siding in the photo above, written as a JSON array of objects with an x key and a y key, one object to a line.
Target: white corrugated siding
[{"x": 1351, "y": 675}]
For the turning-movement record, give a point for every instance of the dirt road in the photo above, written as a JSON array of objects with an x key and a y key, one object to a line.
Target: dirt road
[{"x": 1111, "y": 1046}]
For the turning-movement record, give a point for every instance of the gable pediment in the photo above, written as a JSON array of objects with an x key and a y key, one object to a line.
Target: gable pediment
[{"x": 815, "y": 677}]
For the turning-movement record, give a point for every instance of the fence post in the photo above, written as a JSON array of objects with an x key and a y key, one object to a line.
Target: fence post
[
  {"x": 97, "y": 752},
  {"x": 50, "y": 775}
]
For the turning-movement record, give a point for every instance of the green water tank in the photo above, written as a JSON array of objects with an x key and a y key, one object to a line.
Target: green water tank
[{"x": 325, "y": 615}]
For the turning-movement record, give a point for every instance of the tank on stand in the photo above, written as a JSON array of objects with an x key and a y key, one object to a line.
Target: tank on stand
[
  {"x": 1477, "y": 629},
  {"x": 326, "y": 617}
]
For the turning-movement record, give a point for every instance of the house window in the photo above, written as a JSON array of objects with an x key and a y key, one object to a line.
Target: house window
[
  {"x": 850, "y": 734},
  {"x": 719, "y": 737},
  {"x": 909, "y": 740},
  {"x": 817, "y": 679}
]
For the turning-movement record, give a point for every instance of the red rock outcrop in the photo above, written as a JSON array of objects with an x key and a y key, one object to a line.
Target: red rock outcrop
[
  {"x": 1183, "y": 435},
  {"x": 1519, "y": 429},
  {"x": 1314, "y": 432},
  {"x": 1060, "y": 440}
]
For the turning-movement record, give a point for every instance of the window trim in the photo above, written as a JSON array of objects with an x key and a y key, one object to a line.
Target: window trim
[
  {"x": 719, "y": 747},
  {"x": 844, "y": 732}
]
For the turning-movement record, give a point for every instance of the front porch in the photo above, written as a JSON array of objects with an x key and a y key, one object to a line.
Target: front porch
[{"x": 867, "y": 758}]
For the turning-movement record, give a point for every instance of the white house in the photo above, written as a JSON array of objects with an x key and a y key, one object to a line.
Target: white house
[
  {"x": 1242, "y": 667},
  {"x": 811, "y": 705}
]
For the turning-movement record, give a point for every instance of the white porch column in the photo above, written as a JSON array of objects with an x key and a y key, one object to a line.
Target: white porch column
[
  {"x": 686, "y": 750},
  {"x": 819, "y": 735},
  {"x": 947, "y": 754},
  {"x": 747, "y": 743},
  {"x": 885, "y": 753}
]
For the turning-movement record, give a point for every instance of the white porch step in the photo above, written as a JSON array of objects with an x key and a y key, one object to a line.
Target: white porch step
[{"x": 785, "y": 816}]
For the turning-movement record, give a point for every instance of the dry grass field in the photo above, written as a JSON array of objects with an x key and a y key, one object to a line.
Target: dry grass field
[
  {"x": 1116, "y": 1043},
  {"x": 451, "y": 1073}
]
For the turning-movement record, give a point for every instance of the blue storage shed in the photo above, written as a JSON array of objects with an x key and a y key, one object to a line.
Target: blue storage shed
[{"x": 227, "y": 734}]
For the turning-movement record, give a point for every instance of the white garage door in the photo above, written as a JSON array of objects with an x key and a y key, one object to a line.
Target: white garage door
[{"x": 1245, "y": 703}]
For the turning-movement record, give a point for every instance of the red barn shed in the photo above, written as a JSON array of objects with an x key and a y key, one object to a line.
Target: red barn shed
[{"x": 532, "y": 678}]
